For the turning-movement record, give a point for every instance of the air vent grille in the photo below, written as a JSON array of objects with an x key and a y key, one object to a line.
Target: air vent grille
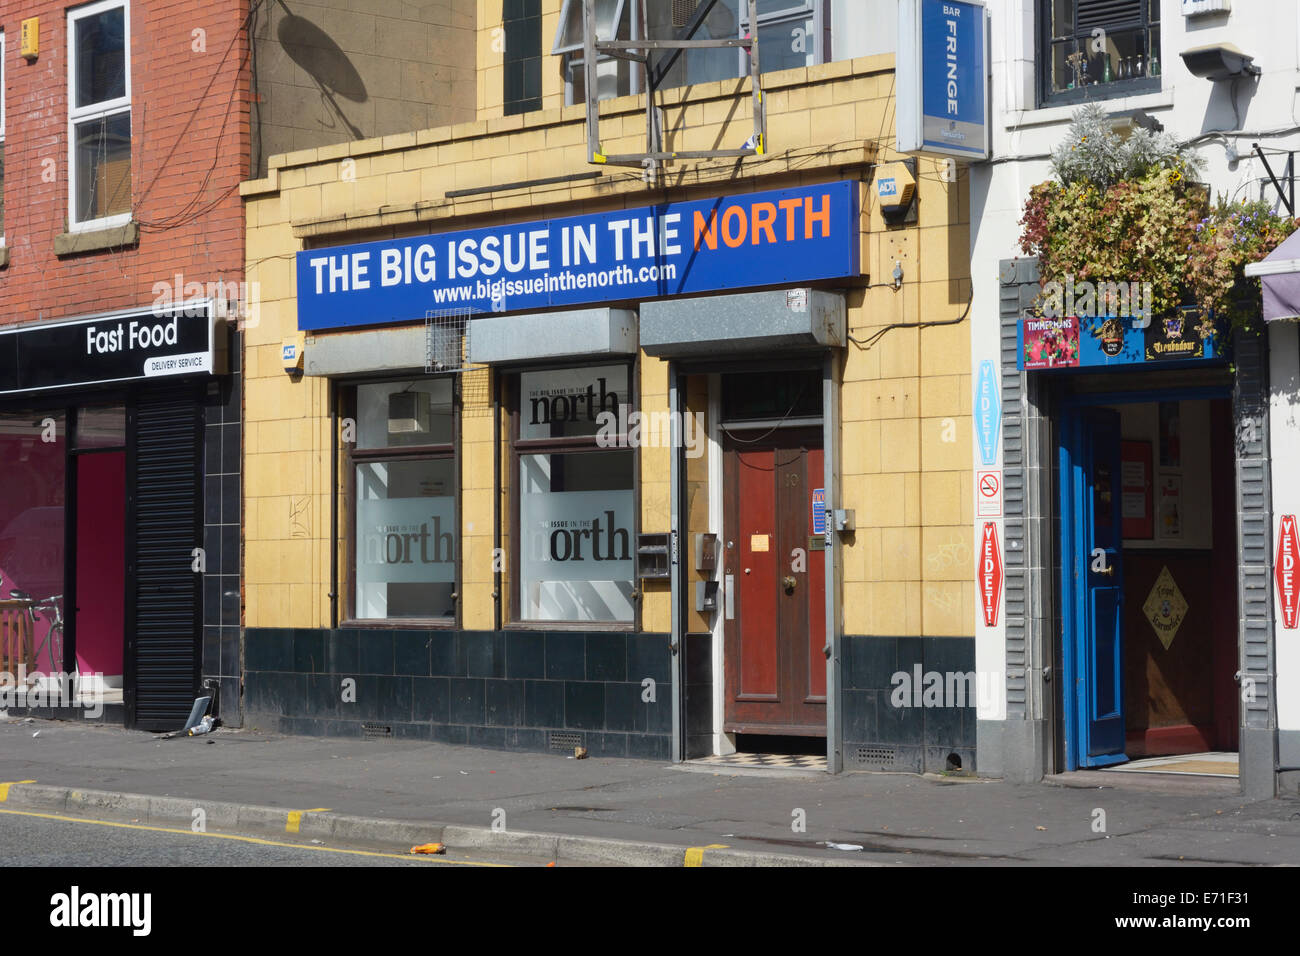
[
  {"x": 683, "y": 10},
  {"x": 875, "y": 756}
]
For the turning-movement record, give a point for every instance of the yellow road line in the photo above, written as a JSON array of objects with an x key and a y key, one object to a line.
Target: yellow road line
[
  {"x": 4, "y": 788},
  {"x": 294, "y": 819},
  {"x": 247, "y": 839},
  {"x": 695, "y": 854}
]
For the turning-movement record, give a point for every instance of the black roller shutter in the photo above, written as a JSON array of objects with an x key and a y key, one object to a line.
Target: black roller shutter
[{"x": 164, "y": 514}]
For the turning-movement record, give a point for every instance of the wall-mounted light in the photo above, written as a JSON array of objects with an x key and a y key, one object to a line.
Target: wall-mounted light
[{"x": 1219, "y": 61}]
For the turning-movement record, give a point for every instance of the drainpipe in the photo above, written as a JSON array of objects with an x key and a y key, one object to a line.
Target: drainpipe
[
  {"x": 496, "y": 499},
  {"x": 831, "y": 381},
  {"x": 334, "y": 505},
  {"x": 676, "y": 504}
]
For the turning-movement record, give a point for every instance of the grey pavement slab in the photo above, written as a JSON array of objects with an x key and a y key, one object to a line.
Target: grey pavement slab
[{"x": 896, "y": 818}]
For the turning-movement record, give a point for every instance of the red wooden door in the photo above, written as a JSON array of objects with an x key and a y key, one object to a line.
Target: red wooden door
[{"x": 775, "y": 666}]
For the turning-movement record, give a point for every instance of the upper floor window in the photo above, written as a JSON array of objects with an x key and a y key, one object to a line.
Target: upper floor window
[
  {"x": 614, "y": 76},
  {"x": 1097, "y": 49},
  {"x": 99, "y": 115},
  {"x": 522, "y": 74},
  {"x": 2, "y": 138},
  {"x": 791, "y": 33}
]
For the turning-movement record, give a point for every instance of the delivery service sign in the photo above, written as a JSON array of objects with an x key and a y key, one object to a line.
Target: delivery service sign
[{"x": 709, "y": 245}]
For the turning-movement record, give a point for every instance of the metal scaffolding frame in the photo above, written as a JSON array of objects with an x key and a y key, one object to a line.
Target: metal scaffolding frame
[{"x": 656, "y": 68}]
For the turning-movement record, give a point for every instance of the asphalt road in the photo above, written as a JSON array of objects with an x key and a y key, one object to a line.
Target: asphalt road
[{"x": 35, "y": 839}]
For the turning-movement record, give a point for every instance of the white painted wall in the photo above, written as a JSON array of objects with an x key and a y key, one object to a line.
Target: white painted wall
[
  {"x": 863, "y": 28},
  {"x": 1284, "y": 421},
  {"x": 1190, "y": 107}
]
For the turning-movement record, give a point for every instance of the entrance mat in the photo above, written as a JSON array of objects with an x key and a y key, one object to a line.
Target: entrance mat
[
  {"x": 768, "y": 761},
  {"x": 1205, "y": 765}
]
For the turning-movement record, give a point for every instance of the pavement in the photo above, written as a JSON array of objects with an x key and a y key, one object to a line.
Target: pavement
[{"x": 631, "y": 812}]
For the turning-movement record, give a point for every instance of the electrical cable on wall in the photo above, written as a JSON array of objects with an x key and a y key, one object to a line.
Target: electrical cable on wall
[{"x": 870, "y": 341}]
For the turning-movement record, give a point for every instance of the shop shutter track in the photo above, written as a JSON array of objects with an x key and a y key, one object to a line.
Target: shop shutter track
[{"x": 1254, "y": 525}]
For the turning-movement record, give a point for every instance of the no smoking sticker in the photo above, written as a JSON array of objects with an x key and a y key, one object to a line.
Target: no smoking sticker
[{"x": 988, "y": 494}]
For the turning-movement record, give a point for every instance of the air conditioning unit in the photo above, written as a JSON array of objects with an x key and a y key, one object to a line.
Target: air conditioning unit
[{"x": 408, "y": 413}]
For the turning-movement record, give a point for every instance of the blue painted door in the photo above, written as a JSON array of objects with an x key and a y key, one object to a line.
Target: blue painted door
[
  {"x": 1105, "y": 586},
  {"x": 1099, "y": 589}
]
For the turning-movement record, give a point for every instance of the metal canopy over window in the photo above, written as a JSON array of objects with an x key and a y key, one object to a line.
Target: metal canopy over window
[
  {"x": 552, "y": 335},
  {"x": 746, "y": 323}
]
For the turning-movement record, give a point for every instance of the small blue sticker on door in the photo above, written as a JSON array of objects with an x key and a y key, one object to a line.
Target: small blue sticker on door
[{"x": 819, "y": 510}]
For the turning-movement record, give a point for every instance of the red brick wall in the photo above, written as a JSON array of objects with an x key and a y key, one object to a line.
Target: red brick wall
[{"x": 189, "y": 151}]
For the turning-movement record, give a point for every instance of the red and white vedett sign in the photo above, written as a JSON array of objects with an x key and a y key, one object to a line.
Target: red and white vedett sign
[
  {"x": 1285, "y": 569},
  {"x": 989, "y": 573}
]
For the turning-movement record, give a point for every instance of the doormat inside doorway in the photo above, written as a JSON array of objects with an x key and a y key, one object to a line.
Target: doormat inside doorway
[
  {"x": 768, "y": 761},
  {"x": 1204, "y": 765}
]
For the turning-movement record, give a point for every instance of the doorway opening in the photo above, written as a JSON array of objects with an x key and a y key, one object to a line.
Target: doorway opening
[
  {"x": 773, "y": 477},
  {"x": 1148, "y": 558},
  {"x": 100, "y": 575}
]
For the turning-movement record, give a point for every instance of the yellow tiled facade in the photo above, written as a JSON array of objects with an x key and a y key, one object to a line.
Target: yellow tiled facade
[
  {"x": 906, "y": 433},
  {"x": 904, "y": 447}
]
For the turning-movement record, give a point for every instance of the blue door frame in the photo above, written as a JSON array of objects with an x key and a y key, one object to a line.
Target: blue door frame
[{"x": 1092, "y": 709}]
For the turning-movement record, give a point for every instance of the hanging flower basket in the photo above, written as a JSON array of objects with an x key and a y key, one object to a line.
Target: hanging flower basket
[{"x": 1128, "y": 213}]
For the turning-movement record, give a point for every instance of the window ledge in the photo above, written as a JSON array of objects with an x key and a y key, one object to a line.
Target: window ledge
[
  {"x": 1021, "y": 119},
  {"x": 574, "y": 627},
  {"x": 116, "y": 237},
  {"x": 398, "y": 624}
]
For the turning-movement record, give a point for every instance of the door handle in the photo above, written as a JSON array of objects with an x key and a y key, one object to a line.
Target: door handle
[{"x": 788, "y": 582}]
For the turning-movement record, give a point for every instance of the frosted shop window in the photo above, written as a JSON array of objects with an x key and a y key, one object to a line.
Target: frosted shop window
[
  {"x": 576, "y": 496},
  {"x": 403, "y": 468}
]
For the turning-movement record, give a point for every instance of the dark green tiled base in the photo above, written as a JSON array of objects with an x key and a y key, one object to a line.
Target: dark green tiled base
[
  {"x": 512, "y": 690},
  {"x": 881, "y": 736}
]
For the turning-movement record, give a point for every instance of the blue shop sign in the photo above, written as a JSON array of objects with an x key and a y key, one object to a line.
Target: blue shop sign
[
  {"x": 757, "y": 239},
  {"x": 942, "y": 73},
  {"x": 953, "y": 77},
  {"x": 1113, "y": 341}
]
